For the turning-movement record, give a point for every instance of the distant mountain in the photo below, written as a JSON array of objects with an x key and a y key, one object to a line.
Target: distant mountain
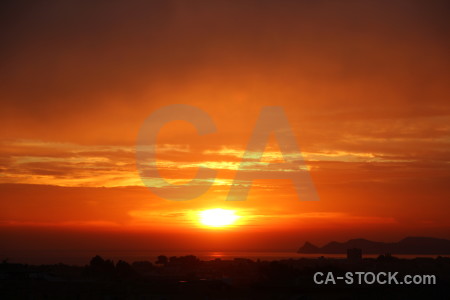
[
  {"x": 309, "y": 248},
  {"x": 409, "y": 245}
]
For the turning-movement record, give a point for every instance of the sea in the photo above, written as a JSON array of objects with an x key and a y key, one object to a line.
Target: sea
[{"x": 81, "y": 258}]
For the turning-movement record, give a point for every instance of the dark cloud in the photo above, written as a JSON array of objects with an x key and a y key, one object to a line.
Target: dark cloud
[{"x": 84, "y": 66}]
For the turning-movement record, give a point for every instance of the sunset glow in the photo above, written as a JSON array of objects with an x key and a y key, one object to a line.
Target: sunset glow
[
  {"x": 363, "y": 86},
  {"x": 218, "y": 217}
]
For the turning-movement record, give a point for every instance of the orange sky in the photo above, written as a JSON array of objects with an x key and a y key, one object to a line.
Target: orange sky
[{"x": 364, "y": 86}]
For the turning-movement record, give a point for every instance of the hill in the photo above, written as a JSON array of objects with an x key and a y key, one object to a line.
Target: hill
[{"x": 409, "y": 245}]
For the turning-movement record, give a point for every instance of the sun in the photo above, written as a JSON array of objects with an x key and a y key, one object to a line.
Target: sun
[{"x": 218, "y": 217}]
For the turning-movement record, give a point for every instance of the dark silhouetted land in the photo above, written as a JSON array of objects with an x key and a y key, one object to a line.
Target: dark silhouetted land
[
  {"x": 409, "y": 245},
  {"x": 187, "y": 277}
]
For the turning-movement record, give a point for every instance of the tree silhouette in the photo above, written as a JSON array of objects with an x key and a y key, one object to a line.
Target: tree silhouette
[
  {"x": 98, "y": 267},
  {"x": 162, "y": 260},
  {"x": 124, "y": 270}
]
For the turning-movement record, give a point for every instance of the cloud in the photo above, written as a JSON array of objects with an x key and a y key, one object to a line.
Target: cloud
[
  {"x": 93, "y": 72},
  {"x": 364, "y": 86}
]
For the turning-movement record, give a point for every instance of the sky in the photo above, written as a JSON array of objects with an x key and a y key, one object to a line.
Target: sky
[{"x": 364, "y": 85}]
